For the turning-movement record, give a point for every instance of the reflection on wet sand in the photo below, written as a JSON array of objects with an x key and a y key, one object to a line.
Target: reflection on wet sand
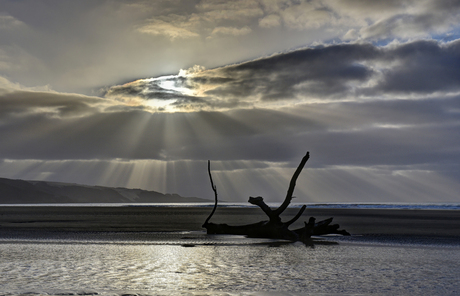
[{"x": 181, "y": 262}]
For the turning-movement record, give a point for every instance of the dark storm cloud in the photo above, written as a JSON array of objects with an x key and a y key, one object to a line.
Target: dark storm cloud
[
  {"x": 327, "y": 70},
  {"x": 147, "y": 92},
  {"x": 343, "y": 72},
  {"x": 362, "y": 133},
  {"x": 423, "y": 67},
  {"x": 367, "y": 133}
]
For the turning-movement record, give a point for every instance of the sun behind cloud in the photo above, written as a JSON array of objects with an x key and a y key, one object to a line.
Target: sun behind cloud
[
  {"x": 167, "y": 93},
  {"x": 321, "y": 74}
]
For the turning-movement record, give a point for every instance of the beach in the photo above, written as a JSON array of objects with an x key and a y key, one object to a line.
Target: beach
[
  {"x": 145, "y": 250},
  {"x": 159, "y": 219}
]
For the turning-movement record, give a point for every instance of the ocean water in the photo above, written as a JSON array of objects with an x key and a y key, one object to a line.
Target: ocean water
[{"x": 192, "y": 263}]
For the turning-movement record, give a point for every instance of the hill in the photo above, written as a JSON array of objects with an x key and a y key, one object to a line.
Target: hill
[{"x": 33, "y": 192}]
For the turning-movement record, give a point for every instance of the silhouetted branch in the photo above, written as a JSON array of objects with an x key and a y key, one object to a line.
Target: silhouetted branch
[
  {"x": 259, "y": 201},
  {"x": 290, "y": 191},
  {"x": 296, "y": 217},
  {"x": 214, "y": 188}
]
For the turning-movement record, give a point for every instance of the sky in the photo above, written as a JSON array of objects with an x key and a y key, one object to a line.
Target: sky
[{"x": 141, "y": 94}]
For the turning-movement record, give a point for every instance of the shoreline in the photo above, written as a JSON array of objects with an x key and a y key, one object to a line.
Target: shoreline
[{"x": 445, "y": 223}]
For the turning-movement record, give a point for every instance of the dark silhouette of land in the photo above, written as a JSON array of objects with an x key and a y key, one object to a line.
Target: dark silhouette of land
[{"x": 36, "y": 192}]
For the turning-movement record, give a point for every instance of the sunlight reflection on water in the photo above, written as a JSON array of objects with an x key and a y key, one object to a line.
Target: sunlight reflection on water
[{"x": 147, "y": 268}]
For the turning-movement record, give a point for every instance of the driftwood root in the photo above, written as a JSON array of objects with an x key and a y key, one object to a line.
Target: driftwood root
[{"x": 274, "y": 227}]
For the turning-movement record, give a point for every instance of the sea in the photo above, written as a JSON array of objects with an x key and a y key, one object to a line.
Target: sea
[{"x": 193, "y": 263}]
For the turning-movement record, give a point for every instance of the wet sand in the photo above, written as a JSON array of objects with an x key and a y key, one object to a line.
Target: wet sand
[
  {"x": 141, "y": 250},
  {"x": 161, "y": 219}
]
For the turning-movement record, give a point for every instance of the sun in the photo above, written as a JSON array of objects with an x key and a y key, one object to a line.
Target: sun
[
  {"x": 175, "y": 83},
  {"x": 158, "y": 94}
]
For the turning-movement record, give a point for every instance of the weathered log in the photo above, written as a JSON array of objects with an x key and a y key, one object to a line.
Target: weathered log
[{"x": 274, "y": 227}]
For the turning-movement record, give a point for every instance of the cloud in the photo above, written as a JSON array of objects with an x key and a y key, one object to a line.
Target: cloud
[
  {"x": 270, "y": 21},
  {"x": 318, "y": 71},
  {"x": 81, "y": 47},
  {"x": 373, "y": 20},
  {"x": 370, "y": 20},
  {"x": 217, "y": 11},
  {"x": 7, "y": 86},
  {"x": 9, "y": 22},
  {"x": 336, "y": 72},
  {"x": 20, "y": 103},
  {"x": 397, "y": 19},
  {"x": 231, "y": 31},
  {"x": 160, "y": 27},
  {"x": 305, "y": 15},
  {"x": 297, "y": 15},
  {"x": 205, "y": 20},
  {"x": 50, "y": 125},
  {"x": 15, "y": 60},
  {"x": 423, "y": 67},
  {"x": 367, "y": 150}
]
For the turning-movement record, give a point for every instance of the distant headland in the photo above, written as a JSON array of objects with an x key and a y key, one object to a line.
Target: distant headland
[{"x": 38, "y": 192}]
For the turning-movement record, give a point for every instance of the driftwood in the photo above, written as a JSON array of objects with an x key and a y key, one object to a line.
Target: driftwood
[{"x": 274, "y": 227}]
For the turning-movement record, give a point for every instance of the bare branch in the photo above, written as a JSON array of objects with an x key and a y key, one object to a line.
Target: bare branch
[
  {"x": 259, "y": 201},
  {"x": 290, "y": 191},
  {"x": 302, "y": 209},
  {"x": 214, "y": 188}
]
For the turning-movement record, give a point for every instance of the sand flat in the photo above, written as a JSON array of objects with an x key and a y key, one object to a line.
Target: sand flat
[
  {"x": 46, "y": 250},
  {"x": 147, "y": 218}
]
